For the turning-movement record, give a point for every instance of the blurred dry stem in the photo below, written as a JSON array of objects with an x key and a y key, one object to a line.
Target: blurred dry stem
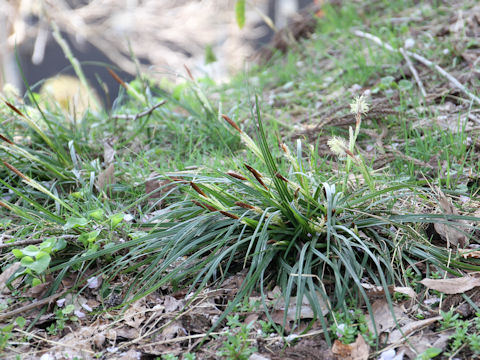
[{"x": 166, "y": 34}]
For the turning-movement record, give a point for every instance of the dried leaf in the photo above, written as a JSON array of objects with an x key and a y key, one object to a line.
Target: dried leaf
[
  {"x": 449, "y": 233},
  {"x": 128, "y": 332},
  {"x": 171, "y": 304},
  {"x": 136, "y": 314},
  {"x": 108, "y": 152},
  {"x": 106, "y": 177},
  {"x": 425, "y": 340},
  {"x": 306, "y": 311},
  {"x": 153, "y": 183},
  {"x": 467, "y": 253},
  {"x": 397, "y": 335},
  {"x": 356, "y": 351},
  {"x": 384, "y": 321},
  {"x": 4, "y": 276},
  {"x": 99, "y": 340},
  {"x": 374, "y": 291},
  {"x": 172, "y": 330},
  {"x": 452, "y": 286}
]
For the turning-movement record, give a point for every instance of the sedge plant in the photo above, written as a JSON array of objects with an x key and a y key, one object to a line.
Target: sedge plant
[{"x": 286, "y": 223}]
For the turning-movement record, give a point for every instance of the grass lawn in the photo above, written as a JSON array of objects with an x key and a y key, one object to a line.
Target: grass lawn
[{"x": 320, "y": 205}]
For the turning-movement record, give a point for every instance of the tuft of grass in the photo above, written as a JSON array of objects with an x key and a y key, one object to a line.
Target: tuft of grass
[{"x": 291, "y": 213}]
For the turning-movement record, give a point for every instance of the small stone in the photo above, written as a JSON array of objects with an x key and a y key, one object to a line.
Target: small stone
[{"x": 99, "y": 340}]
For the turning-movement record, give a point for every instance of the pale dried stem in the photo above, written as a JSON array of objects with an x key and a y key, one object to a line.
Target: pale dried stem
[
  {"x": 422, "y": 60},
  {"x": 139, "y": 115},
  {"x": 414, "y": 72}
]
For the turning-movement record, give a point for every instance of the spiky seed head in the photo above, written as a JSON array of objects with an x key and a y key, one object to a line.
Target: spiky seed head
[
  {"x": 232, "y": 123},
  {"x": 338, "y": 145},
  {"x": 359, "y": 105},
  {"x": 236, "y": 175}
]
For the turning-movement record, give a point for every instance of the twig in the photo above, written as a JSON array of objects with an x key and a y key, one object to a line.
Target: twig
[
  {"x": 53, "y": 342},
  {"x": 31, "y": 306},
  {"x": 420, "y": 59},
  {"x": 21, "y": 243},
  {"x": 414, "y": 72},
  {"x": 32, "y": 241},
  {"x": 409, "y": 158},
  {"x": 183, "y": 338},
  {"x": 139, "y": 115}
]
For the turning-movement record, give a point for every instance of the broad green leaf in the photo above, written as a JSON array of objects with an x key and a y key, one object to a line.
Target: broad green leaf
[
  {"x": 405, "y": 85},
  {"x": 116, "y": 219},
  {"x": 60, "y": 244},
  {"x": 27, "y": 261},
  {"x": 31, "y": 250},
  {"x": 430, "y": 353},
  {"x": 48, "y": 244},
  {"x": 74, "y": 222},
  {"x": 20, "y": 321},
  {"x": 36, "y": 281},
  {"x": 209, "y": 55},
  {"x": 17, "y": 253},
  {"x": 68, "y": 309},
  {"x": 240, "y": 13},
  {"x": 89, "y": 237},
  {"x": 77, "y": 195},
  {"x": 41, "y": 263},
  {"x": 387, "y": 80},
  {"x": 96, "y": 214}
]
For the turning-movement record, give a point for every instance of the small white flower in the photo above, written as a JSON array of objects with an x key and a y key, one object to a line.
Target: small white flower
[
  {"x": 340, "y": 330},
  {"x": 128, "y": 217},
  {"x": 409, "y": 43},
  {"x": 86, "y": 307},
  {"x": 355, "y": 88},
  {"x": 61, "y": 302},
  {"x": 93, "y": 283},
  {"x": 338, "y": 145},
  {"x": 445, "y": 51},
  {"x": 388, "y": 355},
  {"x": 359, "y": 105},
  {"x": 47, "y": 356},
  {"x": 79, "y": 314}
]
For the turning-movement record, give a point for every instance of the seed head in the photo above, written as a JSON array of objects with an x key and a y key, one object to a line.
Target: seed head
[
  {"x": 359, "y": 105},
  {"x": 338, "y": 145}
]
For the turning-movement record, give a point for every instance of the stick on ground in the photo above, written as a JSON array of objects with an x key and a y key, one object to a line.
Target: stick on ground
[
  {"x": 142, "y": 114},
  {"x": 414, "y": 72},
  {"x": 421, "y": 59}
]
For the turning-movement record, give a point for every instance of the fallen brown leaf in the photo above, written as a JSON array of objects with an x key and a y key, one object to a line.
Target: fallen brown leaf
[
  {"x": 397, "y": 335},
  {"x": 4, "y": 276},
  {"x": 384, "y": 320},
  {"x": 106, "y": 177},
  {"x": 452, "y": 286},
  {"x": 356, "y": 351},
  {"x": 467, "y": 253},
  {"x": 418, "y": 343},
  {"x": 108, "y": 151},
  {"x": 306, "y": 311},
  {"x": 449, "y": 233},
  {"x": 374, "y": 291}
]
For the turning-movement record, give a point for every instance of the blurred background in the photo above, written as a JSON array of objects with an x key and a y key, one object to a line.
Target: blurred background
[{"x": 157, "y": 37}]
